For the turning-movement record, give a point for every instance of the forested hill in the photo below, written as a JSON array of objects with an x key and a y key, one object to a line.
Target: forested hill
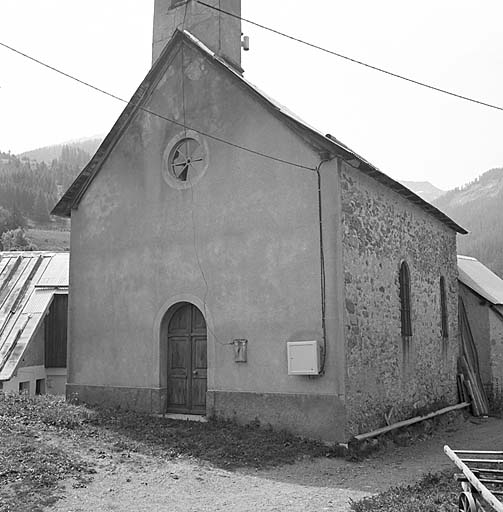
[
  {"x": 49, "y": 153},
  {"x": 478, "y": 207},
  {"x": 30, "y": 189}
]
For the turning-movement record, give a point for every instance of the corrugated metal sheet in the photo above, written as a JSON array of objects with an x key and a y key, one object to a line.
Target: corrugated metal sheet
[
  {"x": 480, "y": 279},
  {"x": 28, "y": 281},
  {"x": 56, "y": 273}
]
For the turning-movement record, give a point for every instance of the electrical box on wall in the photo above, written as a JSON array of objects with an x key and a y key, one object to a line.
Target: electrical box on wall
[
  {"x": 240, "y": 350},
  {"x": 303, "y": 357}
]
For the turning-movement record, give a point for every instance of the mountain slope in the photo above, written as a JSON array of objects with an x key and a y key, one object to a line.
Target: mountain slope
[
  {"x": 424, "y": 189},
  {"x": 478, "y": 207}
]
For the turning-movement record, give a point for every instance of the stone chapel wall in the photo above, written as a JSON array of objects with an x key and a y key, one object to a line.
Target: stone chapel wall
[{"x": 380, "y": 229}]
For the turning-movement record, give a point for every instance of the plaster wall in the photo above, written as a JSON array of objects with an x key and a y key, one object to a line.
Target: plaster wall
[
  {"x": 380, "y": 230},
  {"x": 242, "y": 244},
  {"x": 25, "y": 374}
]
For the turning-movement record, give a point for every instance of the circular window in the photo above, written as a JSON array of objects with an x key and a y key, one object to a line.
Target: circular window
[{"x": 185, "y": 160}]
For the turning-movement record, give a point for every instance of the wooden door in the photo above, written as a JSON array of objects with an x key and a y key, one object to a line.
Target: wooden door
[{"x": 187, "y": 361}]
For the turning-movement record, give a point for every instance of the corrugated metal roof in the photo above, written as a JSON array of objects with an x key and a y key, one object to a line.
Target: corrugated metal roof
[
  {"x": 480, "y": 279},
  {"x": 28, "y": 282},
  {"x": 325, "y": 143}
]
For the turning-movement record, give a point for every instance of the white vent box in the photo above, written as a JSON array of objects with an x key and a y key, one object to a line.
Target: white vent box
[{"x": 303, "y": 357}]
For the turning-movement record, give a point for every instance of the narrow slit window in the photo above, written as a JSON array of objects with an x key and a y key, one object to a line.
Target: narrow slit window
[
  {"x": 405, "y": 316},
  {"x": 443, "y": 309}
]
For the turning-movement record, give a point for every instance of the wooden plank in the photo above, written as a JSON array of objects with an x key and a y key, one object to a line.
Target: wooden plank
[
  {"x": 482, "y": 461},
  {"x": 406, "y": 423},
  {"x": 474, "y": 481},
  {"x": 462, "y": 478},
  {"x": 479, "y": 452}
]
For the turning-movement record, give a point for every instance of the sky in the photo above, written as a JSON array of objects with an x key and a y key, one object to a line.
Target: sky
[{"x": 408, "y": 132}]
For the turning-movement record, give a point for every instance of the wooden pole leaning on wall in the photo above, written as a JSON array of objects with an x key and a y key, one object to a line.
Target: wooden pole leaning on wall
[{"x": 406, "y": 423}]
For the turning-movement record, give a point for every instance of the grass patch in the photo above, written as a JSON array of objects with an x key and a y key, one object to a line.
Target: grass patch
[
  {"x": 221, "y": 443},
  {"x": 34, "y": 432},
  {"x": 31, "y": 466},
  {"x": 433, "y": 493}
]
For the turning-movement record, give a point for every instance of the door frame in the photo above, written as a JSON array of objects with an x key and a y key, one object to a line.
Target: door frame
[
  {"x": 191, "y": 381},
  {"x": 160, "y": 337}
]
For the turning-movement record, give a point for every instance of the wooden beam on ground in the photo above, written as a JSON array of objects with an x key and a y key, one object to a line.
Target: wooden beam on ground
[
  {"x": 474, "y": 481},
  {"x": 406, "y": 423}
]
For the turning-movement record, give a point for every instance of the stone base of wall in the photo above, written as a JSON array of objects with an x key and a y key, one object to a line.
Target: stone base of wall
[
  {"x": 314, "y": 416},
  {"x": 137, "y": 399}
]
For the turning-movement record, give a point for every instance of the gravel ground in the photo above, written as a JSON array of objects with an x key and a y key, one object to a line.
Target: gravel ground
[{"x": 130, "y": 482}]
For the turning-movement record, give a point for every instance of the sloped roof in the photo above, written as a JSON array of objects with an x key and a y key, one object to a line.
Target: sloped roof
[
  {"x": 480, "y": 279},
  {"x": 28, "y": 282},
  {"x": 320, "y": 142}
]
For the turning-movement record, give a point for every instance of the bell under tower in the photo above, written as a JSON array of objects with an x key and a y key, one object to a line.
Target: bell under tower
[{"x": 220, "y": 32}]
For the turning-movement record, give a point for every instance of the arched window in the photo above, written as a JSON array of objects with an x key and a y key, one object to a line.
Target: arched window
[
  {"x": 443, "y": 309},
  {"x": 405, "y": 299}
]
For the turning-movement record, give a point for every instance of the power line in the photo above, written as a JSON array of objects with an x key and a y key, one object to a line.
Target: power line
[
  {"x": 151, "y": 112},
  {"x": 355, "y": 61}
]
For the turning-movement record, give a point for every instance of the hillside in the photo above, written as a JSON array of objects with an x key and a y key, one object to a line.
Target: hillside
[
  {"x": 49, "y": 153},
  {"x": 29, "y": 190},
  {"x": 424, "y": 189},
  {"x": 477, "y": 207}
]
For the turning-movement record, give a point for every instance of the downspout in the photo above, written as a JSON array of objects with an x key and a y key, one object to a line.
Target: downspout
[{"x": 325, "y": 157}]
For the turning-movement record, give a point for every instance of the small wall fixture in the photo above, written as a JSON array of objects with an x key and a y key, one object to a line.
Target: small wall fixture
[
  {"x": 303, "y": 357},
  {"x": 245, "y": 43},
  {"x": 240, "y": 350}
]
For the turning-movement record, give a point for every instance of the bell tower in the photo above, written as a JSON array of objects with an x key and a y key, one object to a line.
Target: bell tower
[{"x": 220, "y": 32}]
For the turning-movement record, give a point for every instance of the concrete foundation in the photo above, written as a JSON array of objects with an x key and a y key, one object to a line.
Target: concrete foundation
[{"x": 314, "y": 416}]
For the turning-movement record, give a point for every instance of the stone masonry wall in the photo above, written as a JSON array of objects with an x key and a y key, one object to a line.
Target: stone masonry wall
[{"x": 380, "y": 230}]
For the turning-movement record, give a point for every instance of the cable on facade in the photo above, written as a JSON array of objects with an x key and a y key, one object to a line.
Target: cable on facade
[{"x": 355, "y": 61}]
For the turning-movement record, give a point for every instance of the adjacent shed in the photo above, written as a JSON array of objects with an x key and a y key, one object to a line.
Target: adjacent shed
[
  {"x": 481, "y": 291},
  {"x": 33, "y": 321}
]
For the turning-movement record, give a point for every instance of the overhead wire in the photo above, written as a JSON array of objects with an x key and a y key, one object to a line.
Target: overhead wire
[
  {"x": 151, "y": 112},
  {"x": 351, "y": 59}
]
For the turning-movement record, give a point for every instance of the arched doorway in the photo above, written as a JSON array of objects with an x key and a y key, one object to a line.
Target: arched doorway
[{"x": 187, "y": 360}]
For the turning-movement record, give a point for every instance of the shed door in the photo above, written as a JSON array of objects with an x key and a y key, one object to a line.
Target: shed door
[{"x": 187, "y": 361}]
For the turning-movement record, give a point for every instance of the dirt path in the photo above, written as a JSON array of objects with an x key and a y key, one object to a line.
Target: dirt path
[{"x": 132, "y": 482}]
